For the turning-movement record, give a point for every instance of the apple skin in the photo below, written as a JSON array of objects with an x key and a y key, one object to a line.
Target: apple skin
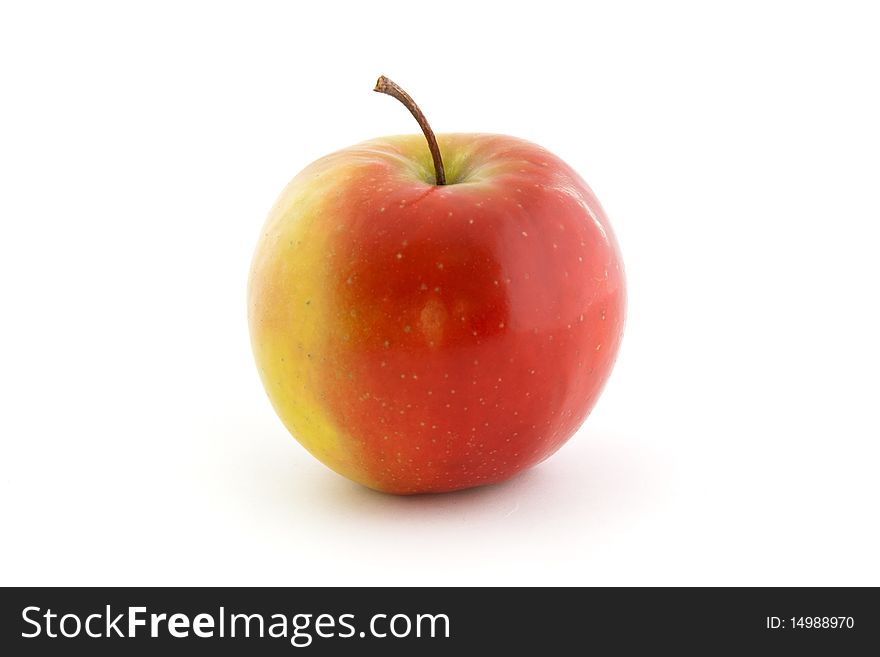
[{"x": 419, "y": 338}]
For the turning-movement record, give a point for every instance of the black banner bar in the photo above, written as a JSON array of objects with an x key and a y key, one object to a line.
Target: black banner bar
[{"x": 437, "y": 621}]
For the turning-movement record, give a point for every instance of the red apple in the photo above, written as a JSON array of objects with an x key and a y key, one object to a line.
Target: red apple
[{"x": 422, "y": 337}]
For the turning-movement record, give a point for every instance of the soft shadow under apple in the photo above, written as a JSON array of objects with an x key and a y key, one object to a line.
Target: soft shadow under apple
[{"x": 585, "y": 483}]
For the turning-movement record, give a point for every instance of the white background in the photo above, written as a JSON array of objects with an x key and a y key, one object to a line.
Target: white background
[{"x": 736, "y": 151}]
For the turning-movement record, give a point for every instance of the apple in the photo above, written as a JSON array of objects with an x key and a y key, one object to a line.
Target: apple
[{"x": 427, "y": 318}]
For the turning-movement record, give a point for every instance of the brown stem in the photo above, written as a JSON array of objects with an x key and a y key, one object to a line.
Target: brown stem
[{"x": 386, "y": 86}]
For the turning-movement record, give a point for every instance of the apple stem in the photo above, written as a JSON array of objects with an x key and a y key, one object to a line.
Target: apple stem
[{"x": 386, "y": 86}]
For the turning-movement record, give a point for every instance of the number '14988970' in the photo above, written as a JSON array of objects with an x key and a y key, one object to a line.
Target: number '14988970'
[{"x": 810, "y": 623}]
